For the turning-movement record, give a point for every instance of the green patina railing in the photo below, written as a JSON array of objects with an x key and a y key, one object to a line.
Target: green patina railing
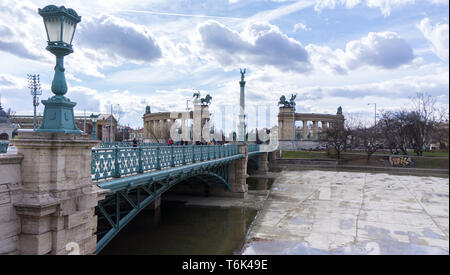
[
  {"x": 118, "y": 161},
  {"x": 127, "y": 144},
  {"x": 253, "y": 147},
  {"x": 4, "y": 146}
]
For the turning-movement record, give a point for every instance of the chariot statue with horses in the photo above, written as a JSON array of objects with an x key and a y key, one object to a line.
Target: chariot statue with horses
[
  {"x": 287, "y": 104},
  {"x": 203, "y": 101}
]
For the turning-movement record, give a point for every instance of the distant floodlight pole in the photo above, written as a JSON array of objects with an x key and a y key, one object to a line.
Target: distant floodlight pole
[
  {"x": 35, "y": 86},
  {"x": 375, "y": 113},
  {"x": 60, "y": 24}
]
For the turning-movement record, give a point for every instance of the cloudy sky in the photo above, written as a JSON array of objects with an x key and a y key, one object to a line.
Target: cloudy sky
[{"x": 154, "y": 52}]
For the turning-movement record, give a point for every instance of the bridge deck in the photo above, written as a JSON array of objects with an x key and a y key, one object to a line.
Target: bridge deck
[{"x": 157, "y": 175}]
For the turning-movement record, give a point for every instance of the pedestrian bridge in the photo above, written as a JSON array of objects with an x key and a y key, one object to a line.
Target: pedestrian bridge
[{"x": 137, "y": 176}]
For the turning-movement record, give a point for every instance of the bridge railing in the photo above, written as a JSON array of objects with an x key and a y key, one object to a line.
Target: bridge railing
[
  {"x": 127, "y": 144},
  {"x": 253, "y": 147},
  {"x": 115, "y": 162}
]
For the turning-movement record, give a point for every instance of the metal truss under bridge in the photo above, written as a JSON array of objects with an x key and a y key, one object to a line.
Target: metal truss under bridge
[{"x": 149, "y": 172}]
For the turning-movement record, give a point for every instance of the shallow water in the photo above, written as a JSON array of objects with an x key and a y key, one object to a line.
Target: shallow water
[
  {"x": 177, "y": 229},
  {"x": 258, "y": 183}
]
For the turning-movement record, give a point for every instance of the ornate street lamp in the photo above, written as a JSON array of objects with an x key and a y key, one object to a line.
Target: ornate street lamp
[
  {"x": 94, "y": 121},
  {"x": 60, "y": 24}
]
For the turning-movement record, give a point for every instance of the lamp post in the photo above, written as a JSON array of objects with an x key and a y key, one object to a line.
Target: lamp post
[
  {"x": 94, "y": 126},
  {"x": 60, "y": 24},
  {"x": 375, "y": 113}
]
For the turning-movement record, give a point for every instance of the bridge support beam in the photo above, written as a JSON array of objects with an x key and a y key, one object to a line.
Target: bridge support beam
[
  {"x": 59, "y": 198},
  {"x": 155, "y": 204}
]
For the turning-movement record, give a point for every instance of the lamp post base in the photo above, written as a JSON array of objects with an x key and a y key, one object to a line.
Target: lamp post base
[{"x": 59, "y": 116}]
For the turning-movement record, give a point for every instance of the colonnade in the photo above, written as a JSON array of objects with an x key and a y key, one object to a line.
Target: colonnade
[{"x": 287, "y": 119}]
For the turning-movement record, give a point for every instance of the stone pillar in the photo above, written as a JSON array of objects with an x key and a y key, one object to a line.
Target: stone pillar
[
  {"x": 287, "y": 128},
  {"x": 238, "y": 173},
  {"x": 57, "y": 210},
  {"x": 10, "y": 193},
  {"x": 164, "y": 129},
  {"x": 263, "y": 163},
  {"x": 305, "y": 130},
  {"x": 324, "y": 129},
  {"x": 145, "y": 129},
  {"x": 241, "y": 126},
  {"x": 155, "y": 130},
  {"x": 315, "y": 135},
  {"x": 197, "y": 123}
]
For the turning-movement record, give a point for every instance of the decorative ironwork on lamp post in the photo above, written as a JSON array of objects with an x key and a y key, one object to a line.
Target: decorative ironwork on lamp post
[
  {"x": 60, "y": 24},
  {"x": 94, "y": 126}
]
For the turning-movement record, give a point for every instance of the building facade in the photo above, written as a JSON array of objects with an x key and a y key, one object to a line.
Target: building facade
[{"x": 84, "y": 123}]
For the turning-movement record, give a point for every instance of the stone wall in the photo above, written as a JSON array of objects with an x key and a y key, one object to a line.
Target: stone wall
[
  {"x": 59, "y": 197},
  {"x": 10, "y": 193}
]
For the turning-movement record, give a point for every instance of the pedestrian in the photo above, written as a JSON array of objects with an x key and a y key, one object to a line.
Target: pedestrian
[
  {"x": 134, "y": 142},
  {"x": 170, "y": 142}
]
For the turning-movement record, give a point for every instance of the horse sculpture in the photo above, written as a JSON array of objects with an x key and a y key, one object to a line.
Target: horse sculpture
[
  {"x": 287, "y": 104},
  {"x": 206, "y": 100}
]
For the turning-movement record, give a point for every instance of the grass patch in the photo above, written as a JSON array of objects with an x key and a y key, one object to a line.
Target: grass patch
[
  {"x": 430, "y": 163},
  {"x": 431, "y": 154},
  {"x": 302, "y": 155}
]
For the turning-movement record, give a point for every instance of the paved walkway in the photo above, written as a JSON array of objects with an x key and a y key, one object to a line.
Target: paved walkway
[{"x": 324, "y": 212}]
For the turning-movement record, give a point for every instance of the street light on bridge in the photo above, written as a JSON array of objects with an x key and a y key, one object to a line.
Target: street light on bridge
[
  {"x": 60, "y": 24},
  {"x": 94, "y": 121}
]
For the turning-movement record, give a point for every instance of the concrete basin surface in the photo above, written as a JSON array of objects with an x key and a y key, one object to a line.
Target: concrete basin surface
[{"x": 325, "y": 212}]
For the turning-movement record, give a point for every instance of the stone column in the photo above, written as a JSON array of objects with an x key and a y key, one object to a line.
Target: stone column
[
  {"x": 280, "y": 129},
  {"x": 57, "y": 210},
  {"x": 287, "y": 128},
  {"x": 315, "y": 135},
  {"x": 156, "y": 128},
  {"x": 164, "y": 129},
  {"x": 197, "y": 123},
  {"x": 238, "y": 173},
  {"x": 305, "y": 130},
  {"x": 145, "y": 129},
  {"x": 324, "y": 129},
  {"x": 263, "y": 163}
]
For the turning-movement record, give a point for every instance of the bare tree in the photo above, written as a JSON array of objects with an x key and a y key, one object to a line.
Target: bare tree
[
  {"x": 369, "y": 136},
  {"x": 422, "y": 121},
  {"x": 394, "y": 127},
  {"x": 336, "y": 137},
  {"x": 441, "y": 132}
]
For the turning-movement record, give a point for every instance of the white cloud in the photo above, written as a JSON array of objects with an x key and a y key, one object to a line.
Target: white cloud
[
  {"x": 438, "y": 36},
  {"x": 385, "y": 6},
  {"x": 302, "y": 26},
  {"x": 258, "y": 44},
  {"x": 386, "y": 50},
  {"x": 21, "y": 30},
  {"x": 118, "y": 37}
]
